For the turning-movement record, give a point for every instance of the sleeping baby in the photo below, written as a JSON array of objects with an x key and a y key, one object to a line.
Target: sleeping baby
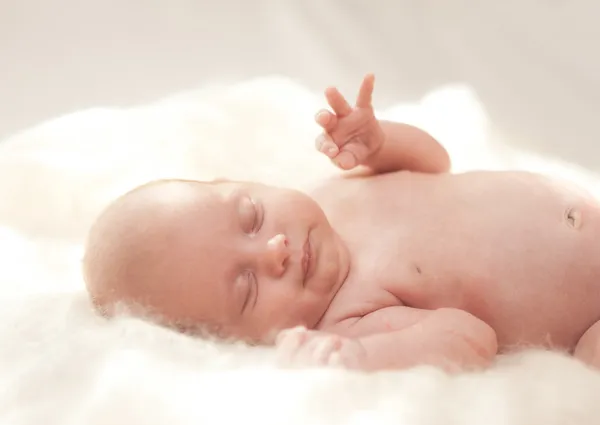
[{"x": 394, "y": 263}]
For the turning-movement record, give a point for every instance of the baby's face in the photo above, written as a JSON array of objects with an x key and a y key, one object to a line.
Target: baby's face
[{"x": 249, "y": 258}]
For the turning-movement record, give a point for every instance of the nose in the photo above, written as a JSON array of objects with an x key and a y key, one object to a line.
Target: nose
[{"x": 276, "y": 254}]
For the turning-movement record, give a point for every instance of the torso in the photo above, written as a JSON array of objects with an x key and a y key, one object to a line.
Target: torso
[{"x": 515, "y": 249}]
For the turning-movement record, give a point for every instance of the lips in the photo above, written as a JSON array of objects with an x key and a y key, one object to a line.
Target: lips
[{"x": 307, "y": 259}]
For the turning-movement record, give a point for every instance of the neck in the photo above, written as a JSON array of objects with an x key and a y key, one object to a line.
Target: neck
[
  {"x": 343, "y": 261},
  {"x": 343, "y": 272}
]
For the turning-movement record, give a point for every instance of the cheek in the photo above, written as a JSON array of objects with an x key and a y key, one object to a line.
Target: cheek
[
  {"x": 278, "y": 301},
  {"x": 281, "y": 310},
  {"x": 280, "y": 293}
]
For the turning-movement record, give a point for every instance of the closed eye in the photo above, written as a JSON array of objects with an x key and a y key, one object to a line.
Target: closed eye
[
  {"x": 251, "y": 292},
  {"x": 258, "y": 216}
]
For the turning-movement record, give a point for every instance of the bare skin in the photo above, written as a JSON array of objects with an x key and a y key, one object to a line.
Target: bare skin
[{"x": 394, "y": 264}]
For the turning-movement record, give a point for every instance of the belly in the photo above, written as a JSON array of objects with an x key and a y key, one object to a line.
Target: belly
[{"x": 519, "y": 251}]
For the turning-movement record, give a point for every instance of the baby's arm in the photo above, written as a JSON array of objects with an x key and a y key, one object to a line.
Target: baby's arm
[
  {"x": 408, "y": 148},
  {"x": 396, "y": 338},
  {"x": 352, "y": 136},
  {"x": 401, "y": 337}
]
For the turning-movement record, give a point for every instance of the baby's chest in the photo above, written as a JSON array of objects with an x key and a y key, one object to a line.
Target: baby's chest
[
  {"x": 400, "y": 257},
  {"x": 379, "y": 280}
]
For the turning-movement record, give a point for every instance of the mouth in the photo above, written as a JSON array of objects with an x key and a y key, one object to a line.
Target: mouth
[{"x": 307, "y": 259}]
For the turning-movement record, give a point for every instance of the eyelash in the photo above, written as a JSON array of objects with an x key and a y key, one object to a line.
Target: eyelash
[
  {"x": 251, "y": 281},
  {"x": 257, "y": 222}
]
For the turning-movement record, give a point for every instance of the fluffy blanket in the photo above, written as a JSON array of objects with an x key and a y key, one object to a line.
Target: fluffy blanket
[{"x": 60, "y": 364}]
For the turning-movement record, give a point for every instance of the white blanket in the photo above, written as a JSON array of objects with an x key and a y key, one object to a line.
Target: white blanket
[{"x": 60, "y": 364}]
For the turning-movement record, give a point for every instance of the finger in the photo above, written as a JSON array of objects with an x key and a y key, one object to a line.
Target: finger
[
  {"x": 365, "y": 94},
  {"x": 289, "y": 344},
  {"x": 324, "y": 349},
  {"x": 326, "y": 120},
  {"x": 335, "y": 360},
  {"x": 292, "y": 336},
  {"x": 345, "y": 160},
  {"x": 325, "y": 144},
  {"x": 337, "y": 102},
  {"x": 352, "y": 154}
]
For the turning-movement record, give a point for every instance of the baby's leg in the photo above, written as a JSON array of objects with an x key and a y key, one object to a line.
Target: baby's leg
[{"x": 588, "y": 347}]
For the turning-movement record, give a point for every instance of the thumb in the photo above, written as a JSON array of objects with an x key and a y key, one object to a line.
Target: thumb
[{"x": 352, "y": 154}]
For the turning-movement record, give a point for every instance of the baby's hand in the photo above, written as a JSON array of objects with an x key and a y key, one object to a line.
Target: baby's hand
[
  {"x": 302, "y": 347},
  {"x": 351, "y": 134}
]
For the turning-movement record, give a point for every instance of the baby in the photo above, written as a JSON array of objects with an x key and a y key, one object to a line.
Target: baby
[{"x": 394, "y": 263}]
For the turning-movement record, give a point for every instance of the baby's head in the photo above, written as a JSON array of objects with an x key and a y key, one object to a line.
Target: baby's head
[{"x": 225, "y": 255}]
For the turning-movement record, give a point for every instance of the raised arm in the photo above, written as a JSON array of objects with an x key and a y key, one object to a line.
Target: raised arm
[
  {"x": 408, "y": 148},
  {"x": 354, "y": 137}
]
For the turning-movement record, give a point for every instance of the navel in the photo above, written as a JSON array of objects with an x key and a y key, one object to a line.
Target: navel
[{"x": 572, "y": 217}]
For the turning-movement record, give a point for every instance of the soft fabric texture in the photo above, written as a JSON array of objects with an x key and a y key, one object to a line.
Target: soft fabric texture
[{"x": 61, "y": 364}]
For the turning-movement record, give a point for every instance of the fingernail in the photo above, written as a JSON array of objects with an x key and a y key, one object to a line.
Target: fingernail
[
  {"x": 320, "y": 141},
  {"x": 322, "y": 117},
  {"x": 347, "y": 161},
  {"x": 337, "y": 343},
  {"x": 331, "y": 150}
]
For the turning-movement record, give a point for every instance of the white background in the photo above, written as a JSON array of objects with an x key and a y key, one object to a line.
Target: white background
[{"x": 535, "y": 64}]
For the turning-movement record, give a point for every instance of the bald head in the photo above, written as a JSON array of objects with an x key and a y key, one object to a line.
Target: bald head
[
  {"x": 225, "y": 255},
  {"x": 128, "y": 256}
]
